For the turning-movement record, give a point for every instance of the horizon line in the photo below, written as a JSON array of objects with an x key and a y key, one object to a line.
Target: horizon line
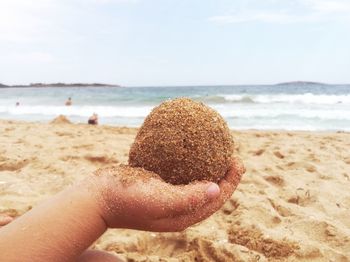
[{"x": 102, "y": 84}]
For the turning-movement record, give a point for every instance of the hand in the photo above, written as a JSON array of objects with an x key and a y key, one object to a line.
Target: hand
[{"x": 148, "y": 203}]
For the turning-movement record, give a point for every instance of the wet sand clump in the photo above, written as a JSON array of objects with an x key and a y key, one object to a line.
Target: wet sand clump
[
  {"x": 61, "y": 119},
  {"x": 182, "y": 141}
]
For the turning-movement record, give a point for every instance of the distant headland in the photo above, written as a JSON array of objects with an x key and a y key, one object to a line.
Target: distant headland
[
  {"x": 60, "y": 85},
  {"x": 300, "y": 83}
]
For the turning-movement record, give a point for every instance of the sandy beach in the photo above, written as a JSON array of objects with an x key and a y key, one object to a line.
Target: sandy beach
[{"x": 293, "y": 203}]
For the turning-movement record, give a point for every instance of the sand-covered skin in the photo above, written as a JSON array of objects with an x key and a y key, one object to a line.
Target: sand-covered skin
[
  {"x": 127, "y": 175},
  {"x": 292, "y": 203},
  {"x": 183, "y": 141}
]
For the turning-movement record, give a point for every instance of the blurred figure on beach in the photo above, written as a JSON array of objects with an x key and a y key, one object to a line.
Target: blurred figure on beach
[
  {"x": 17, "y": 103},
  {"x": 93, "y": 120},
  {"x": 69, "y": 102}
]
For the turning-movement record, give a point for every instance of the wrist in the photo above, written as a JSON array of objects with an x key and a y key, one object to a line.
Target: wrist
[
  {"x": 92, "y": 190},
  {"x": 107, "y": 194}
]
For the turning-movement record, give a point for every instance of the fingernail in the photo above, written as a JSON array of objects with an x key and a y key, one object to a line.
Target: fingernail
[{"x": 213, "y": 190}]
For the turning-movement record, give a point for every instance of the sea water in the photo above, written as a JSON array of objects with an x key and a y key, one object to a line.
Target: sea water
[{"x": 296, "y": 106}]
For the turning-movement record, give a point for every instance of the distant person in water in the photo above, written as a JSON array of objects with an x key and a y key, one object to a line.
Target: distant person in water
[
  {"x": 69, "y": 102},
  {"x": 17, "y": 103},
  {"x": 93, "y": 120}
]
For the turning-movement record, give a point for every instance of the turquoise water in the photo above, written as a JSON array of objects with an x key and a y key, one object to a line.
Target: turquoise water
[{"x": 289, "y": 107}]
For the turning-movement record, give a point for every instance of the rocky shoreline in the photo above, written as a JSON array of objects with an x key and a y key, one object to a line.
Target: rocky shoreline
[{"x": 60, "y": 85}]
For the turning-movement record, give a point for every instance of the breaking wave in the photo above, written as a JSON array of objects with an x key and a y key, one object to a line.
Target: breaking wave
[{"x": 307, "y": 98}]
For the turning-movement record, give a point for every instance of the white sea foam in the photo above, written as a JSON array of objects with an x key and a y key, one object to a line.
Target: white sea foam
[
  {"x": 306, "y": 98},
  {"x": 269, "y": 113},
  {"x": 82, "y": 111},
  {"x": 142, "y": 111}
]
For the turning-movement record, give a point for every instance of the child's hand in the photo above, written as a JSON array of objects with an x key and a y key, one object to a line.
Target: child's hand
[
  {"x": 113, "y": 197},
  {"x": 154, "y": 205}
]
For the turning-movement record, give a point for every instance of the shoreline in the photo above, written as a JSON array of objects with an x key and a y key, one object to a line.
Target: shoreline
[{"x": 14, "y": 121}]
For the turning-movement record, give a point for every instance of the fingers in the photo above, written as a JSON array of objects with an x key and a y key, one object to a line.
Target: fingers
[
  {"x": 174, "y": 201},
  {"x": 227, "y": 186},
  {"x": 238, "y": 165},
  {"x": 229, "y": 183},
  {"x": 4, "y": 220},
  {"x": 179, "y": 223}
]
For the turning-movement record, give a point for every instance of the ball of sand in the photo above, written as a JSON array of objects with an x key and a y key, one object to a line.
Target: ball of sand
[{"x": 182, "y": 141}]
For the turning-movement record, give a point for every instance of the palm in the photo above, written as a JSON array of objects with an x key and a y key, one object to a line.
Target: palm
[{"x": 133, "y": 199}]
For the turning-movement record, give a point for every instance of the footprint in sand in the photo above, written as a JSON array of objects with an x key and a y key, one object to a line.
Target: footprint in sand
[
  {"x": 85, "y": 146},
  {"x": 347, "y": 160},
  {"x": 322, "y": 231},
  {"x": 166, "y": 244},
  {"x": 9, "y": 129},
  {"x": 102, "y": 159},
  {"x": 230, "y": 206},
  {"x": 314, "y": 158},
  {"x": 67, "y": 134},
  {"x": 275, "y": 180},
  {"x": 13, "y": 165},
  {"x": 281, "y": 210},
  {"x": 290, "y": 164},
  {"x": 302, "y": 165},
  {"x": 303, "y": 197},
  {"x": 279, "y": 155},
  {"x": 258, "y": 152},
  {"x": 69, "y": 158},
  {"x": 206, "y": 250},
  {"x": 311, "y": 169},
  {"x": 254, "y": 239}
]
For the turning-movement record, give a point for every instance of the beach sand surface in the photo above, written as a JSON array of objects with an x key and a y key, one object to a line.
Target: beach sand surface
[{"x": 293, "y": 203}]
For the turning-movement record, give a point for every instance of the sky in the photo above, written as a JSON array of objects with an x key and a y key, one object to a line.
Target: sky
[{"x": 174, "y": 42}]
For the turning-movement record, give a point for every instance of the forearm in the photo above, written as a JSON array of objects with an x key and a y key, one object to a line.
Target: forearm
[{"x": 58, "y": 230}]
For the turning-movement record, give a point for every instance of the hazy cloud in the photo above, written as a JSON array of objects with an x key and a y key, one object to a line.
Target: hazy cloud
[
  {"x": 33, "y": 58},
  {"x": 303, "y": 11},
  {"x": 112, "y": 1},
  {"x": 26, "y": 20},
  {"x": 260, "y": 16},
  {"x": 138, "y": 42},
  {"x": 328, "y": 6}
]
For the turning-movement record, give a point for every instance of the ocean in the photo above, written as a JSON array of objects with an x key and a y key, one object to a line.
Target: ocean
[{"x": 296, "y": 106}]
